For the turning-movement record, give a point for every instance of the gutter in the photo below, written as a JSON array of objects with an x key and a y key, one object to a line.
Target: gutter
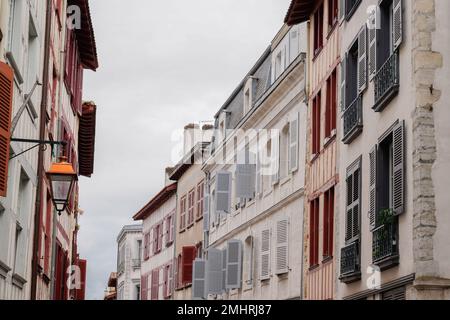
[{"x": 40, "y": 167}]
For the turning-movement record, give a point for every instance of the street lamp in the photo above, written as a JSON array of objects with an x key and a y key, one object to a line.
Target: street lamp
[{"x": 62, "y": 177}]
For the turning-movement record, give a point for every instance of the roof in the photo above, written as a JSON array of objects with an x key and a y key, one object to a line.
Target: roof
[
  {"x": 85, "y": 36},
  {"x": 86, "y": 139},
  {"x": 299, "y": 11},
  {"x": 191, "y": 158},
  {"x": 156, "y": 202},
  {"x": 128, "y": 229}
]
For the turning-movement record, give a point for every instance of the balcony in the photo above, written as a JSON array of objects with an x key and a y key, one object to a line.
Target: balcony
[
  {"x": 387, "y": 82},
  {"x": 353, "y": 120},
  {"x": 350, "y": 263},
  {"x": 136, "y": 263},
  {"x": 121, "y": 267},
  {"x": 385, "y": 246}
]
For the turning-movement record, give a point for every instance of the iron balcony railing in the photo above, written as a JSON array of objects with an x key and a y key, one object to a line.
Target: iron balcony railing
[
  {"x": 385, "y": 242},
  {"x": 387, "y": 82},
  {"x": 350, "y": 259},
  {"x": 353, "y": 120}
]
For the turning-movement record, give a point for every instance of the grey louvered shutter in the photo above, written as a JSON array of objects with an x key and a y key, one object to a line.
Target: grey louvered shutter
[
  {"x": 282, "y": 247},
  {"x": 399, "y": 168},
  {"x": 265, "y": 254},
  {"x": 223, "y": 192},
  {"x": 362, "y": 59},
  {"x": 349, "y": 214},
  {"x": 373, "y": 162},
  {"x": 356, "y": 203},
  {"x": 276, "y": 158},
  {"x": 343, "y": 90},
  {"x": 224, "y": 269},
  {"x": 206, "y": 207},
  {"x": 259, "y": 177},
  {"x": 342, "y": 9},
  {"x": 293, "y": 143},
  {"x": 198, "y": 279},
  {"x": 397, "y": 28},
  {"x": 234, "y": 265},
  {"x": 214, "y": 273},
  {"x": 245, "y": 181},
  {"x": 373, "y": 34}
]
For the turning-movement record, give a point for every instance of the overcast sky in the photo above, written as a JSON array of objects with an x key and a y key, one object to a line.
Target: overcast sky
[{"x": 163, "y": 64}]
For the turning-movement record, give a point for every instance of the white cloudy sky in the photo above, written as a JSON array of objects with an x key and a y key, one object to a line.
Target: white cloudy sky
[{"x": 163, "y": 64}]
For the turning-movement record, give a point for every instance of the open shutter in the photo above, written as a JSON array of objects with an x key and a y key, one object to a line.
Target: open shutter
[
  {"x": 188, "y": 256},
  {"x": 344, "y": 82},
  {"x": 342, "y": 9},
  {"x": 206, "y": 207},
  {"x": 362, "y": 59},
  {"x": 265, "y": 254},
  {"x": 282, "y": 247},
  {"x": 349, "y": 213},
  {"x": 234, "y": 264},
  {"x": 373, "y": 162},
  {"x": 223, "y": 192},
  {"x": 172, "y": 228},
  {"x": 276, "y": 157},
  {"x": 198, "y": 279},
  {"x": 373, "y": 33},
  {"x": 165, "y": 282},
  {"x": 245, "y": 181},
  {"x": 293, "y": 143},
  {"x": 224, "y": 269},
  {"x": 144, "y": 288},
  {"x": 6, "y": 100},
  {"x": 399, "y": 168},
  {"x": 161, "y": 235},
  {"x": 214, "y": 272},
  {"x": 171, "y": 277},
  {"x": 397, "y": 29}
]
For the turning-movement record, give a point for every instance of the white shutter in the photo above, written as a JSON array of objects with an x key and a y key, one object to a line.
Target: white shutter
[
  {"x": 198, "y": 279},
  {"x": 276, "y": 157},
  {"x": 373, "y": 187},
  {"x": 214, "y": 272},
  {"x": 223, "y": 192},
  {"x": 343, "y": 81},
  {"x": 397, "y": 29},
  {"x": 293, "y": 143},
  {"x": 245, "y": 181},
  {"x": 259, "y": 177},
  {"x": 206, "y": 207},
  {"x": 362, "y": 59},
  {"x": 282, "y": 240},
  {"x": 373, "y": 51},
  {"x": 234, "y": 265},
  {"x": 341, "y": 10},
  {"x": 224, "y": 269},
  {"x": 265, "y": 254},
  {"x": 399, "y": 168}
]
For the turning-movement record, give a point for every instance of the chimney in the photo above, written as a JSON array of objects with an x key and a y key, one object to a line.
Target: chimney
[
  {"x": 168, "y": 172},
  {"x": 192, "y": 136}
]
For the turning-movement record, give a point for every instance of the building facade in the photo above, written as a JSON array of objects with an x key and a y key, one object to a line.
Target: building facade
[
  {"x": 158, "y": 218},
  {"x": 129, "y": 253}
]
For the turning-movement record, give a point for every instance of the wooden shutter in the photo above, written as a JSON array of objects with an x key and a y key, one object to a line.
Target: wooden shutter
[
  {"x": 161, "y": 235},
  {"x": 398, "y": 191},
  {"x": 172, "y": 228},
  {"x": 245, "y": 181},
  {"x": 343, "y": 81},
  {"x": 152, "y": 245},
  {"x": 276, "y": 157},
  {"x": 293, "y": 143},
  {"x": 397, "y": 29},
  {"x": 144, "y": 284},
  {"x": 223, "y": 192},
  {"x": 6, "y": 100},
  {"x": 198, "y": 279},
  {"x": 146, "y": 246},
  {"x": 349, "y": 213},
  {"x": 224, "y": 268},
  {"x": 214, "y": 272},
  {"x": 165, "y": 282},
  {"x": 282, "y": 247},
  {"x": 362, "y": 59},
  {"x": 265, "y": 254},
  {"x": 259, "y": 177},
  {"x": 155, "y": 284},
  {"x": 341, "y": 10},
  {"x": 188, "y": 256},
  {"x": 171, "y": 277},
  {"x": 373, "y": 34},
  {"x": 234, "y": 264},
  {"x": 206, "y": 207},
  {"x": 373, "y": 163}
]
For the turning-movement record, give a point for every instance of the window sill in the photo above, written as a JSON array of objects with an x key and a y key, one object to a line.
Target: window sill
[
  {"x": 285, "y": 180},
  {"x": 327, "y": 259},
  {"x": 268, "y": 193},
  {"x": 251, "y": 203},
  {"x": 199, "y": 218},
  {"x": 332, "y": 28},
  {"x": 190, "y": 226},
  {"x": 350, "y": 13},
  {"x": 314, "y": 267},
  {"x": 330, "y": 139},
  {"x": 182, "y": 230},
  {"x": 317, "y": 53},
  {"x": 314, "y": 157}
]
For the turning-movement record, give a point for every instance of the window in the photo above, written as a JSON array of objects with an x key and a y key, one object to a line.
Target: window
[
  {"x": 146, "y": 246},
  {"x": 333, "y": 13},
  {"x": 350, "y": 7},
  {"x": 199, "y": 249},
  {"x": 318, "y": 30},
  {"x": 353, "y": 216},
  {"x": 331, "y": 106},
  {"x": 352, "y": 74},
  {"x": 183, "y": 214},
  {"x": 169, "y": 230},
  {"x": 247, "y": 101},
  {"x": 138, "y": 292},
  {"x": 328, "y": 224},
  {"x": 139, "y": 250},
  {"x": 316, "y": 124},
  {"x": 155, "y": 285},
  {"x": 248, "y": 261},
  {"x": 284, "y": 152},
  {"x": 187, "y": 259},
  {"x": 191, "y": 209},
  {"x": 314, "y": 233},
  {"x": 167, "y": 290},
  {"x": 15, "y": 36},
  {"x": 200, "y": 199}
]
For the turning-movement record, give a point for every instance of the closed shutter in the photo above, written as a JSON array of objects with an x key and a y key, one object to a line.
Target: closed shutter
[
  {"x": 223, "y": 192},
  {"x": 373, "y": 162},
  {"x": 172, "y": 228},
  {"x": 259, "y": 177},
  {"x": 245, "y": 181},
  {"x": 155, "y": 284},
  {"x": 353, "y": 205},
  {"x": 214, "y": 272},
  {"x": 399, "y": 168},
  {"x": 276, "y": 157},
  {"x": 395, "y": 294},
  {"x": 397, "y": 30},
  {"x": 165, "y": 281},
  {"x": 6, "y": 100},
  {"x": 362, "y": 59},
  {"x": 282, "y": 247},
  {"x": 161, "y": 235},
  {"x": 206, "y": 208},
  {"x": 188, "y": 256},
  {"x": 171, "y": 277},
  {"x": 344, "y": 82},
  {"x": 144, "y": 287},
  {"x": 373, "y": 34},
  {"x": 146, "y": 246},
  {"x": 265, "y": 254},
  {"x": 293, "y": 143},
  {"x": 198, "y": 279},
  {"x": 224, "y": 269},
  {"x": 234, "y": 264},
  {"x": 341, "y": 10}
]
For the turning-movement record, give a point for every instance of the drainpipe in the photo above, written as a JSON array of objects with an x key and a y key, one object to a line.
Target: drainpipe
[
  {"x": 175, "y": 231},
  {"x": 40, "y": 167}
]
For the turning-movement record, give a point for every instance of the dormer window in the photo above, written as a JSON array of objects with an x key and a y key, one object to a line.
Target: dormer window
[{"x": 248, "y": 95}]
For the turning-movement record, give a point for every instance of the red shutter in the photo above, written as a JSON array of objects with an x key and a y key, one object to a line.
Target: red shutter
[
  {"x": 144, "y": 284},
  {"x": 172, "y": 228},
  {"x": 170, "y": 281},
  {"x": 80, "y": 293},
  {"x": 152, "y": 242},
  {"x": 155, "y": 284},
  {"x": 166, "y": 282},
  {"x": 6, "y": 98},
  {"x": 188, "y": 257}
]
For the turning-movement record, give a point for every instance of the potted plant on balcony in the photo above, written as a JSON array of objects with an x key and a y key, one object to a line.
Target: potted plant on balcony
[{"x": 385, "y": 221}]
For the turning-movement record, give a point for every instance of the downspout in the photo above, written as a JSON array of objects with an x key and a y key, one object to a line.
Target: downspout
[
  {"x": 40, "y": 167},
  {"x": 175, "y": 231}
]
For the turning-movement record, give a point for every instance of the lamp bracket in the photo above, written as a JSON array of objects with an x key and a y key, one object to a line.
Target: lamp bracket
[{"x": 36, "y": 143}]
